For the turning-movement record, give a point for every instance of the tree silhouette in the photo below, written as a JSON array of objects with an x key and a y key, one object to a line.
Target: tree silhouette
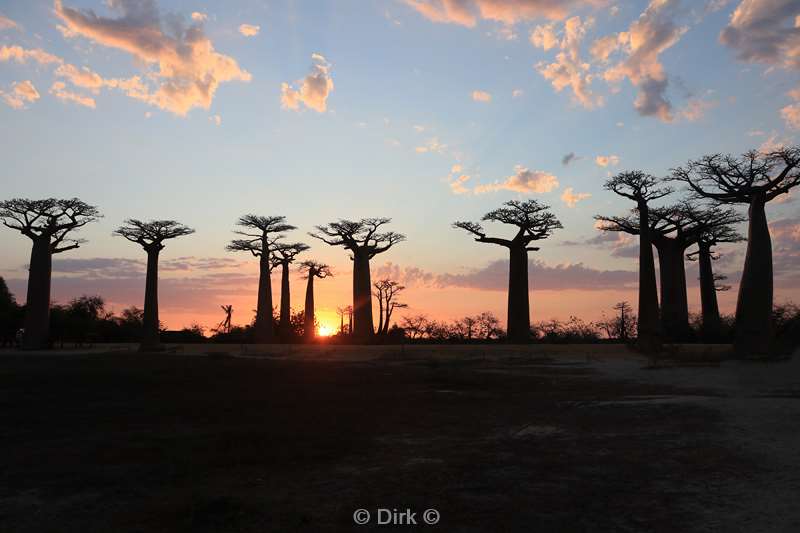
[
  {"x": 704, "y": 255},
  {"x": 48, "y": 223},
  {"x": 643, "y": 188},
  {"x": 386, "y": 291},
  {"x": 261, "y": 234},
  {"x": 673, "y": 230},
  {"x": 754, "y": 178},
  {"x": 150, "y": 236},
  {"x": 364, "y": 241},
  {"x": 313, "y": 269},
  {"x": 283, "y": 255},
  {"x": 534, "y": 222}
]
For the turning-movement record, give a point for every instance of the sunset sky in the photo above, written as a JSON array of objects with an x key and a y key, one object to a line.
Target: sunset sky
[{"x": 425, "y": 111}]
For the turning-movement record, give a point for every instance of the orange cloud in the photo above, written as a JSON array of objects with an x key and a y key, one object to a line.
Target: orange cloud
[
  {"x": 249, "y": 30},
  {"x": 607, "y": 160},
  {"x": 21, "y": 92},
  {"x": 523, "y": 181},
  {"x": 572, "y": 198},
  {"x": 467, "y": 12},
  {"x": 481, "y": 96},
  {"x": 59, "y": 90},
  {"x": 314, "y": 88},
  {"x": 22, "y": 55},
  {"x": 184, "y": 66},
  {"x": 7, "y": 24}
]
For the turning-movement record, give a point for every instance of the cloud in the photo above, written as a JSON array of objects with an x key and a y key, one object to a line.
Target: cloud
[
  {"x": 523, "y": 181},
  {"x": 249, "y": 30},
  {"x": 569, "y": 158},
  {"x": 314, "y": 88},
  {"x": 184, "y": 70},
  {"x": 431, "y": 146},
  {"x": 494, "y": 277},
  {"x": 516, "y": 93},
  {"x": 654, "y": 32},
  {"x": 59, "y": 90},
  {"x": 457, "y": 184},
  {"x": 23, "y": 55},
  {"x": 215, "y": 119},
  {"x": 607, "y": 160},
  {"x": 7, "y": 24},
  {"x": 696, "y": 108},
  {"x": 765, "y": 31},
  {"x": 544, "y": 36},
  {"x": 199, "y": 17},
  {"x": 571, "y": 198},
  {"x": 791, "y": 113},
  {"x": 21, "y": 93},
  {"x": 468, "y": 12},
  {"x": 568, "y": 70},
  {"x": 786, "y": 249},
  {"x": 481, "y": 96}
]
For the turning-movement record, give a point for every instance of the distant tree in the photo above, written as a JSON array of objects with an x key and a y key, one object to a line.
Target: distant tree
[
  {"x": 364, "y": 240},
  {"x": 386, "y": 292},
  {"x": 465, "y": 328},
  {"x": 673, "y": 229},
  {"x": 312, "y": 269},
  {"x": 415, "y": 326},
  {"x": 711, "y": 322},
  {"x": 622, "y": 325},
  {"x": 534, "y": 222},
  {"x": 489, "y": 325},
  {"x": 261, "y": 234},
  {"x": 283, "y": 255},
  {"x": 48, "y": 223},
  {"x": 150, "y": 236},
  {"x": 754, "y": 178},
  {"x": 10, "y": 316},
  {"x": 643, "y": 188}
]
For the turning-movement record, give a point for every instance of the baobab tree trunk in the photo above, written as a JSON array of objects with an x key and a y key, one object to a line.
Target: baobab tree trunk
[
  {"x": 308, "y": 324},
  {"x": 754, "y": 305},
  {"x": 674, "y": 302},
  {"x": 385, "y": 329},
  {"x": 362, "y": 297},
  {"x": 708, "y": 295},
  {"x": 380, "y": 315},
  {"x": 150, "y": 337},
  {"x": 648, "y": 327},
  {"x": 263, "y": 329},
  {"x": 37, "y": 306},
  {"x": 519, "y": 321},
  {"x": 284, "y": 323}
]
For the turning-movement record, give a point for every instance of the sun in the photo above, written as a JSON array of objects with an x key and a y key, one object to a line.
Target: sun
[{"x": 325, "y": 331}]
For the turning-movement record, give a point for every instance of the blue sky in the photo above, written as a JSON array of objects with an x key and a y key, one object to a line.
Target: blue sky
[{"x": 400, "y": 115}]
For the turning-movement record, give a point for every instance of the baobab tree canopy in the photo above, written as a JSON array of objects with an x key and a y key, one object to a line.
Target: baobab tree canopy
[
  {"x": 534, "y": 222},
  {"x": 364, "y": 239},
  {"x": 48, "y": 223},
  {"x": 50, "y": 219}
]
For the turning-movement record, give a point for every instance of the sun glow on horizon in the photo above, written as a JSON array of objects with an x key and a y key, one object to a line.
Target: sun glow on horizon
[{"x": 325, "y": 331}]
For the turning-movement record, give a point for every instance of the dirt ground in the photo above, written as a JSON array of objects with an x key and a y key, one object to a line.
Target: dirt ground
[{"x": 494, "y": 439}]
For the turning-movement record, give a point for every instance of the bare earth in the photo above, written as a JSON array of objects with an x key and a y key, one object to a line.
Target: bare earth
[{"x": 567, "y": 438}]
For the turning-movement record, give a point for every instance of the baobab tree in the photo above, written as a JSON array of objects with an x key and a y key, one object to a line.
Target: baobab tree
[
  {"x": 754, "y": 178},
  {"x": 386, "y": 291},
  {"x": 48, "y": 223},
  {"x": 364, "y": 240},
  {"x": 261, "y": 233},
  {"x": 673, "y": 230},
  {"x": 313, "y": 269},
  {"x": 150, "y": 235},
  {"x": 643, "y": 188},
  {"x": 534, "y": 222},
  {"x": 704, "y": 255},
  {"x": 283, "y": 255}
]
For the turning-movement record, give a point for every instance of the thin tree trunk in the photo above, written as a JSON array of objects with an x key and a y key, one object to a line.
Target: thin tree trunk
[
  {"x": 380, "y": 313},
  {"x": 284, "y": 323},
  {"x": 362, "y": 297},
  {"x": 150, "y": 337},
  {"x": 388, "y": 318},
  {"x": 754, "y": 306},
  {"x": 674, "y": 302},
  {"x": 708, "y": 295},
  {"x": 263, "y": 329},
  {"x": 648, "y": 326},
  {"x": 37, "y": 306},
  {"x": 518, "y": 304},
  {"x": 308, "y": 325}
]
